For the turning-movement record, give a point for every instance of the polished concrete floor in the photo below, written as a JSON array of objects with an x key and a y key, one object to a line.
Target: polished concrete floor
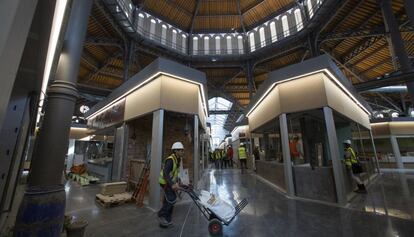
[{"x": 387, "y": 210}]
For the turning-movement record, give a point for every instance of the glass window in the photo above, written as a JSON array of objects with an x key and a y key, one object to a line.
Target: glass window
[
  {"x": 174, "y": 39},
  {"x": 285, "y": 26},
  {"x": 229, "y": 48},
  {"x": 252, "y": 43},
  {"x": 298, "y": 18},
  {"x": 195, "y": 45},
  {"x": 184, "y": 43},
  {"x": 152, "y": 29},
  {"x": 217, "y": 44},
  {"x": 310, "y": 7},
  {"x": 273, "y": 31},
  {"x": 262, "y": 37},
  {"x": 206, "y": 45},
  {"x": 163, "y": 34},
  {"x": 240, "y": 43}
]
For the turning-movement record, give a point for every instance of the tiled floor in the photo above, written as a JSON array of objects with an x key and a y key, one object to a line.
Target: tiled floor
[{"x": 387, "y": 210}]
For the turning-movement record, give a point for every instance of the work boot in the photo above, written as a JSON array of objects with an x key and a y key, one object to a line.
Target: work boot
[
  {"x": 361, "y": 189},
  {"x": 163, "y": 222}
]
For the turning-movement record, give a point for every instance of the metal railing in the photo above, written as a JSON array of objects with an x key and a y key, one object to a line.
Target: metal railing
[{"x": 130, "y": 21}]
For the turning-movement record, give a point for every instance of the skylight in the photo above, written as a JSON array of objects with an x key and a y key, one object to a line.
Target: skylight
[
  {"x": 217, "y": 121},
  {"x": 219, "y": 103}
]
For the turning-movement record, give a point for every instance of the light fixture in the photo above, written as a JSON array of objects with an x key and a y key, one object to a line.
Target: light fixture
[
  {"x": 83, "y": 109},
  {"x": 60, "y": 9},
  {"x": 394, "y": 114}
]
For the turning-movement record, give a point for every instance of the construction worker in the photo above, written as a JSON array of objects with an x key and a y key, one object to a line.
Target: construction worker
[
  {"x": 242, "y": 156},
  {"x": 218, "y": 158},
  {"x": 169, "y": 183},
  {"x": 353, "y": 166}
]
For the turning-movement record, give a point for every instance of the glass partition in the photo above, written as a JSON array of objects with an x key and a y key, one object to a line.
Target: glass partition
[
  {"x": 267, "y": 150},
  {"x": 309, "y": 151},
  {"x": 385, "y": 153},
  {"x": 406, "y": 146},
  {"x": 364, "y": 148}
]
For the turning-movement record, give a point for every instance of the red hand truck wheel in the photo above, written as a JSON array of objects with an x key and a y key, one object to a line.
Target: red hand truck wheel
[{"x": 215, "y": 227}]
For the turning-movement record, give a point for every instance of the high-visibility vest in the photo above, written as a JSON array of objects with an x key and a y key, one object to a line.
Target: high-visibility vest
[
  {"x": 242, "y": 153},
  {"x": 351, "y": 160},
  {"x": 174, "y": 172},
  {"x": 218, "y": 155}
]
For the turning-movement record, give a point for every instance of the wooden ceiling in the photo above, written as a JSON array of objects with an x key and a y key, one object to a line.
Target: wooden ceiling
[
  {"x": 355, "y": 37},
  {"x": 214, "y": 15}
]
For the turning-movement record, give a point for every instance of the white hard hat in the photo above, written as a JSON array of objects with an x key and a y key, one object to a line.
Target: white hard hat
[
  {"x": 177, "y": 146},
  {"x": 242, "y": 144},
  {"x": 347, "y": 142}
]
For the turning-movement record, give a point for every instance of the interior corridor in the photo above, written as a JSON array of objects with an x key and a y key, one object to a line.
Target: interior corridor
[{"x": 269, "y": 213}]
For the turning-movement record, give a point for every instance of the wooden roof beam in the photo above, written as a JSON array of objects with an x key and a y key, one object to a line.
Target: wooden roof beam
[
  {"x": 252, "y": 5},
  {"x": 197, "y": 7},
  {"x": 241, "y": 17}
]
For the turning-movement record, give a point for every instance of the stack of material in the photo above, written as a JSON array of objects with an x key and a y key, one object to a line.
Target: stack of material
[
  {"x": 113, "y": 200},
  {"x": 83, "y": 179},
  {"x": 113, "y": 194},
  {"x": 113, "y": 188}
]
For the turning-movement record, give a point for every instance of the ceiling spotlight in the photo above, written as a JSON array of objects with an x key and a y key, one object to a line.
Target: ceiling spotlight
[
  {"x": 213, "y": 59},
  {"x": 394, "y": 114}
]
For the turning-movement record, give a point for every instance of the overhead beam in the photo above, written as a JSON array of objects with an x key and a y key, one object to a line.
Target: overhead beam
[
  {"x": 102, "y": 67},
  {"x": 197, "y": 7},
  {"x": 100, "y": 6},
  {"x": 386, "y": 81},
  {"x": 241, "y": 17},
  {"x": 103, "y": 41},
  {"x": 251, "y": 6}
]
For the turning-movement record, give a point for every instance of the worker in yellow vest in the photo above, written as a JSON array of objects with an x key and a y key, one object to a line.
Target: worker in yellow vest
[
  {"x": 353, "y": 166},
  {"x": 242, "y": 156},
  {"x": 217, "y": 155},
  {"x": 169, "y": 183}
]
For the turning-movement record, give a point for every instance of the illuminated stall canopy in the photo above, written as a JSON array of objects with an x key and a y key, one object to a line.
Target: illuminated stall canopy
[
  {"x": 298, "y": 121},
  {"x": 163, "y": 84}
]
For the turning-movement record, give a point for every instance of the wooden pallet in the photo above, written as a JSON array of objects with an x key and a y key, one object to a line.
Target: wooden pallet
[{"x": 112, "y": 200}]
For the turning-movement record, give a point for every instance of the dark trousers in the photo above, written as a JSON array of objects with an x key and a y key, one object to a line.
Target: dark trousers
[
  {"x": 231, "y": 163},
  {"x": 217, "y": 163},
  {"x": 168, "y": 203},
  {"x": 243, "y": 163}
]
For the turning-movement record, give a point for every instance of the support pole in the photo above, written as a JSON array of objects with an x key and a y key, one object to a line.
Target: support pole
[
  {"x": 128, "y": 55},
  {"x": 397, "y": 42},
  {"x": 45, "y": 182},
  {"x": 336, "y": 161},
  {"x": 156, "y": 158},
  {"x": 51, "y": 148},
  {"x": 284, "y": 136},
  {"x": 409, "y": 9},
  {"x": 196, "y": 158},
  {"x": 250, "y": 79},
  {"x": 397, "y": 153}
]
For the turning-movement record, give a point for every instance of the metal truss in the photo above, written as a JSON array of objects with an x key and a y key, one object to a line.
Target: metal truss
[{"x": 103, "y": 41}]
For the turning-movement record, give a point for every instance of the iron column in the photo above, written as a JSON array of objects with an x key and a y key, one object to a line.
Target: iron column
[
  {"x": 51, "y": 148},
  {"x": 409, "y": 9},
  {"x": 397, "y": 42},
  {"x": 41, "y": 212}
]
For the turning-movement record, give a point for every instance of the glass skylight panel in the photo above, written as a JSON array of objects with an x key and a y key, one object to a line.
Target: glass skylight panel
[{"x": 219, "y": 103}]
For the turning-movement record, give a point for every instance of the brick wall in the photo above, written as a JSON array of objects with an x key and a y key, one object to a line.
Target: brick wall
[
  {"x": 177, "y": 127},
  {"x": 139, "y": 143}
]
